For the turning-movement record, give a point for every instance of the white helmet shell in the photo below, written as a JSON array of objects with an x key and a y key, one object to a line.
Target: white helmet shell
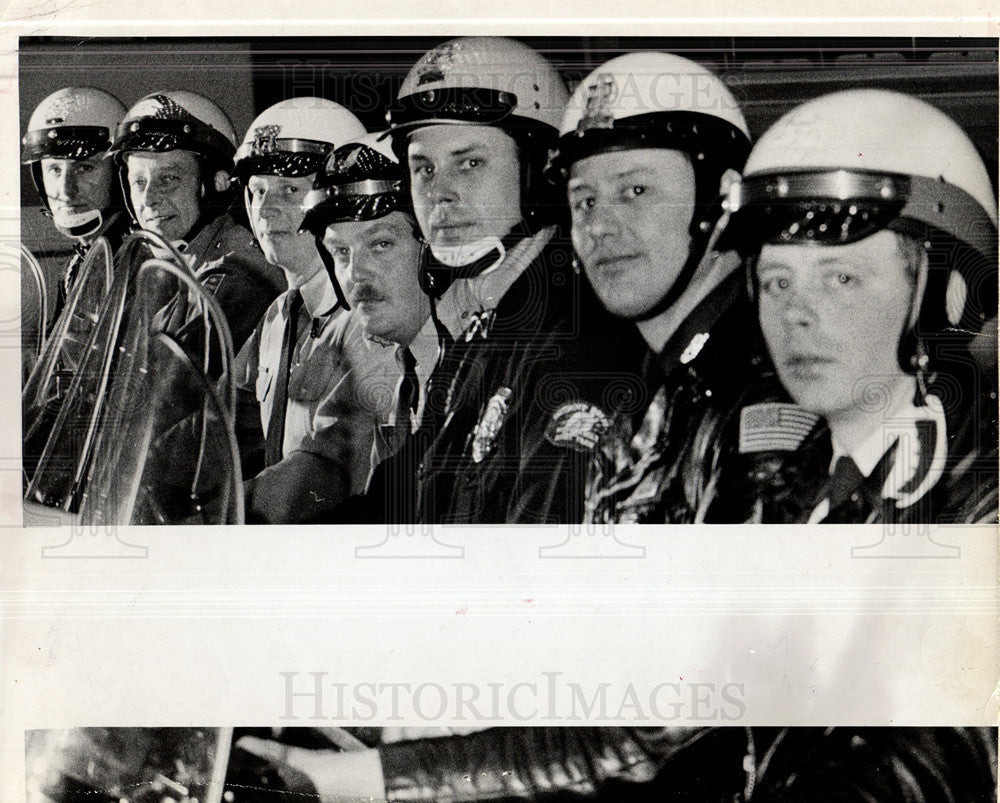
[
  {"x": 651, "y": 99},
  {"x": 178, "y": 120},
  {"x": 649, "y": 82},
  {"x": 480, "y": 80},
  {"x": 72, "y": 123},
  {"x": 294, "y": 137},
  {"x": 879, "y": 131},
  {"x": 840, "y": 167}
]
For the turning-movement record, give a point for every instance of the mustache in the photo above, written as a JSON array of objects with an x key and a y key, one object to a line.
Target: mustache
[{"x": 366, "y": 292}]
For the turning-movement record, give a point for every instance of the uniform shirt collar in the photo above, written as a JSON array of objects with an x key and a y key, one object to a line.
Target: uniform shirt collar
[
  {"x": 318, "y": 295},
  {"x": 919, "y": 435},
  {"x": 471, "y": 296}
]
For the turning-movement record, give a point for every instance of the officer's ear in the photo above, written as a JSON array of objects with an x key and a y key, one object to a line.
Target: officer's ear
[{"x": 221, "y": 181}]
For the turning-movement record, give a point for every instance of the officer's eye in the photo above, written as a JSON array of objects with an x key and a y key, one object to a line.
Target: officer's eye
[
  {"x": 840, "y": 279},
  {"x": 341, "y": 252},
  {"x": 472, "y": 163},
  {"x": 139, "y": 183},
  {"x": 83, "y": 167},
  {"x": 291, "y": 190},
  {"x": 582, "y": 203},
  {"x": 773, "y": 285},
  {"x": 382, "y": 245},
  {"x": 635, "y": 191},
  {"x": 422, "y": 170}
]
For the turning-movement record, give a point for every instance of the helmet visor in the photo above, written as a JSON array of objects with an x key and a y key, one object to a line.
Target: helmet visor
[
  {"x": 703, "y": 136},
  {"x": 292, "y": 158},
  {"x": 827, "y": 207},
  {"x": 65, "y": 142},
  {"x": 359, "y": 200},
  {"x": 472, "y": 105},
  {"x": 160, "y": 135}
]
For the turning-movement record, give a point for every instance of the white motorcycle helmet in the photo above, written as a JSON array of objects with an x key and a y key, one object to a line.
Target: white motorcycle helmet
[
  {"x": 493, "y": 81},
  {"x": 293, "y": 138},
  {"x": 179, "y": 120},
  {"x": 659, "y": 100},
  {"x": 843, "y": 166},
  {"x": 72, "y": 123}
]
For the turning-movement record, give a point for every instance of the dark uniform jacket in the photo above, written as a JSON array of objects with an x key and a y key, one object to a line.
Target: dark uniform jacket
[
  {"x": 514, "y": 410},
  {"x": 234, "y": 270},
  {"x": 654, "y": 465}
]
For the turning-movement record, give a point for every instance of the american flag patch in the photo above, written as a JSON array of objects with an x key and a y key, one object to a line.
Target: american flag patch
[{"x": 774, "y": 427}]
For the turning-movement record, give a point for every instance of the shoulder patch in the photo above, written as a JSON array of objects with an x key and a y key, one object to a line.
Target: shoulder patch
[{"x": 577, "y": 425}]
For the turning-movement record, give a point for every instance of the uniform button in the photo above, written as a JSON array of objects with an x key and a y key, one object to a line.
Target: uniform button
[
  {"x": 855, "y": 496},
  {"x": 218, "y": 245}
]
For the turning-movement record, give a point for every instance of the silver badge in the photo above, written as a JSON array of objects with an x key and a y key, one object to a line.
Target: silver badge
[
  {"x": 264, "y": 139},
  {"x": 485, "y": 433},
  {"x": 597, "y": 113},
  {"x": 436, "y": 63}
]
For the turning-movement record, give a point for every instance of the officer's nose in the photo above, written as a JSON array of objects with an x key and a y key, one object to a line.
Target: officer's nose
[
  {"x": 604, "y": 220},
  {"x": 799, "y": 309},
  {"x": 148, "y": 195},
  {"x": 361, "y": 267},
  {"x": 265, "y": 204},
  {"x": 442, "y": 189},
  {"x": 67, "y": 186}
]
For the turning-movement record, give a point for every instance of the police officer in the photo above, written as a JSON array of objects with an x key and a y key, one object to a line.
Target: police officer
[
  {"x": 175, "y": 151},
  {"x": 68, "y": 135},
  {"x": 647, "y": 144},
  {"x": 869, "y": 224},
  {"x": 361, "y": 216},
  {"x": 520, "y": 386},
  {"x": 303, "y": 363}
]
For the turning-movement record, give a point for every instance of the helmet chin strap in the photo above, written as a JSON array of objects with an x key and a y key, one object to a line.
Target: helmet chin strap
[
  {"x": 457, "y": 256},
  {"x": 78, "y": 224},
  {"x": 701, "y": 235},
  {"x": 439, "y": 268}
]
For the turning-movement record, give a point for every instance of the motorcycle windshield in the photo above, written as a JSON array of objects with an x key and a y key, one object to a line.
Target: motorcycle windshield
[
  {"x": 35, "y": 303},
  {"x": 141, "y": 765},
  {"x": 166, "y": 452}
]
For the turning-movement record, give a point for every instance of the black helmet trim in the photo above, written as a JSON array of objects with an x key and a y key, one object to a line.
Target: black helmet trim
[
  {"x": 470, "y": 105},
  {"x": 835, "y": 207},
  {"x": 366, "y": 187},
  {"x": 344, "y": 208},
  {"x": 703, "y": 136},
  {"x": 65, "y": 142},
  {"x": 160, "y": 135},
  {"x": 291, "y": 157}
]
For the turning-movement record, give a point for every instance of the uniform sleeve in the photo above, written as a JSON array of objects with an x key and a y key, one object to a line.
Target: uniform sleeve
[
  {"x": 516, "y": 764},
  {"x": 572, "y": 399}
]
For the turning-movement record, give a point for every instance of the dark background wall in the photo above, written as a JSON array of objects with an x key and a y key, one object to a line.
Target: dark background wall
[{"x": 245, "y": 76}]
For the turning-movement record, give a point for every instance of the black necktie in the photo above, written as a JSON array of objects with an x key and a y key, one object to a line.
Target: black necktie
[
  {"x": 409, "y": 391},
  {"x": 844, "y": 481},
  {"x": 273, "y": 446}
]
